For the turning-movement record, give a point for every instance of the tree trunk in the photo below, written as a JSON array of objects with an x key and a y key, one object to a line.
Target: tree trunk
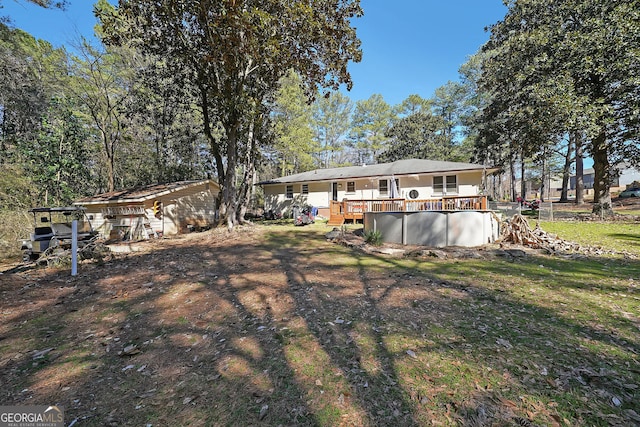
[
  {"x": 109, "y": 152},
  {"x": 512, "y": 179},
  {"x": 579, "y": 172},
  {"x": 566, "y": 170},
  {"x": 244, "y": 196},
  {"x": 229, "y": 193},
  {"x": 213, "y": 144},
  {"x": 543, "y": 175},
  {"x": 523, "y": 182},
  {"x": 602, "y": 177}
]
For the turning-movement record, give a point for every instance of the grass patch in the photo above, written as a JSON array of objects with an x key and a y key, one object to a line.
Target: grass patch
[{"x": 618, "y": 236}]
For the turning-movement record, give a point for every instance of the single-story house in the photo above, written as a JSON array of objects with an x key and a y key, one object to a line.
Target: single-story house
[
  {"x": 410, "y": 179},
  {"x": 153, "y": 210},
  {"x": 623, "y": 175}
]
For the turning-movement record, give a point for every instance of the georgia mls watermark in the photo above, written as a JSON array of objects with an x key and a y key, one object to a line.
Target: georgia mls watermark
[{"x": 31, "y": 416}]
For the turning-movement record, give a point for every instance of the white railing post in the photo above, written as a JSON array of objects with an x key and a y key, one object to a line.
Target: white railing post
[{"x": 74, "y": 247}]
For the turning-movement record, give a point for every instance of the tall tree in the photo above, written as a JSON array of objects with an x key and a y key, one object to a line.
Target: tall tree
[
  {"x": 103, "y": 83},
  {"x": 419, "y": 135},
  {"x": 58, "y": 160},
  {"x": 167, "y": 142},
  {"x": 563, "y": 66},
  {"x": 294, "y": 144},
  {"x": 332, "y": 121},
  {"x": 30, "y": 70},
  {"x": 450, "y": 103},
  {"x": 371, "y": 119},
  {"x": 413, "y": 104},
  {"x": 40, "y": 134},
  {"x": 237, "y": 51}
]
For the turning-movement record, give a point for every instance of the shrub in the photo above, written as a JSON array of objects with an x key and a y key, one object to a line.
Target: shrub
[
  {"x": 14, "y": 225},
  {"x": 373, "y": 237}
]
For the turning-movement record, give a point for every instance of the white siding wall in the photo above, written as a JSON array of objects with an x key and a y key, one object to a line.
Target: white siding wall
[{"x": 469, "y": 183}]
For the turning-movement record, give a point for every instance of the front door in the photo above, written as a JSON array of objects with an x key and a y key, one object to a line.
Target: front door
[{"x": 334, "y": 191}]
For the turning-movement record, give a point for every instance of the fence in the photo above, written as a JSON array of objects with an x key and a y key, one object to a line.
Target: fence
[{"x": 509, "y": 209}]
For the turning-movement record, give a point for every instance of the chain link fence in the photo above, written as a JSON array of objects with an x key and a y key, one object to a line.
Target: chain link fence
[{"x": 509, "y": 209}]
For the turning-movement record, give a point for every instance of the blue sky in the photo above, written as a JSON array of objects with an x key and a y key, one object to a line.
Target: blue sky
[{"x": 409, "y": 46}]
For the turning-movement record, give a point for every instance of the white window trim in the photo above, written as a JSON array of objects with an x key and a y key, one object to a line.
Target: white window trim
[
  {"x": 444, "y": 191},
  {"x": 386, "y": 190}
]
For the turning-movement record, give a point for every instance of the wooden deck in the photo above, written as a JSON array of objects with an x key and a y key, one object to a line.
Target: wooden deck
[{"x": 353, "y": 210}]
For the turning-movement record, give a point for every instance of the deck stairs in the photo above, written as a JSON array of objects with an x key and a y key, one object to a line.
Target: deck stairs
[{"x": 336, "y": 220}]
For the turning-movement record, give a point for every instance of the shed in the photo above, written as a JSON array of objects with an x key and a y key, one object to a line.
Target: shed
[{"x": 153, "y": 210}]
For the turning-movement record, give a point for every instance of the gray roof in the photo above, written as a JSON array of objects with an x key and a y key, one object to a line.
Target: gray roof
[{"x": 397, "y": 168}]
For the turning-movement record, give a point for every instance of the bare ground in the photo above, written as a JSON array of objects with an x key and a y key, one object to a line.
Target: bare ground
[{"x": 248, "y": 328}]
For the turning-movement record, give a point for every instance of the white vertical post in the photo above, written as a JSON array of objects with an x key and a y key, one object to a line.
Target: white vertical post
[{"x": 74, "y": 247}]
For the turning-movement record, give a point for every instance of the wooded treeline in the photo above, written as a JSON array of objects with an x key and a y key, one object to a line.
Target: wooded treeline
[{"x": 242, "y": 90}]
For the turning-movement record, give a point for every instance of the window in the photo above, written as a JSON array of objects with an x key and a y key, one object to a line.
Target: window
[
  {"x": 289, "y": 191},
  {"x": 452, "y": 184},
  {"x": 383, "y": 186},
  {"x": 445, "y": 184},
  {"x": 305, "y": 189},
  {"x": 438, "y": 185},
  {"x": 351, "y": 186}
]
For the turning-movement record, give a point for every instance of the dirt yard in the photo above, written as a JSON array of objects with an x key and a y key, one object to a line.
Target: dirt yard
[{"x": 259, "y": 327}]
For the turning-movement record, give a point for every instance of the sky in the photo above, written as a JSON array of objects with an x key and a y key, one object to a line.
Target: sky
[{"x": 409, "y": 46}]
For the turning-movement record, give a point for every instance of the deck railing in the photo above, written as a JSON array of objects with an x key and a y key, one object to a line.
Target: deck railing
[{"x": 352, "y": 209}]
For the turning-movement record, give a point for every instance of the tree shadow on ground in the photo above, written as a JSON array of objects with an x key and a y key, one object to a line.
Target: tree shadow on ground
[{"x": 284, "y": 328}]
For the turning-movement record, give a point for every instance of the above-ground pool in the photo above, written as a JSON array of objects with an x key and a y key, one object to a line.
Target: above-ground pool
[{"x": 434, "y": 228}]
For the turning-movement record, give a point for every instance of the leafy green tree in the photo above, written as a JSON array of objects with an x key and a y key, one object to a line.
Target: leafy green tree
[
  {"x": 371, "y": 119},
  {"x": 57, "y": 160},
  {"x": 103, "y": 83},
  {"x": 557, "y": 67},
  {"x": 419, "y": 135},
  {"x": 294, "y": 145},
  {"x": 164, "y": 141},
  {"x": 40, "y": 133},
  {"x": 413, "y": 104},
  {"x": 237, "y": 52},
  {"x": 30, "y": 70},
  {"x": 450, "y": 102},
  {"x": 332, "y": 122}
]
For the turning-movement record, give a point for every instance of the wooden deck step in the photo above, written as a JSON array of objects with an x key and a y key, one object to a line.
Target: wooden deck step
[{"x": 336, "y": 221}]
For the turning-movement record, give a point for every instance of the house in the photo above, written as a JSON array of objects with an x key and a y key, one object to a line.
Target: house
[
  {"x": 623, "y": 175},
  {"x": 153, "y": 210},
  {"x": 407, "y": 180}
]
